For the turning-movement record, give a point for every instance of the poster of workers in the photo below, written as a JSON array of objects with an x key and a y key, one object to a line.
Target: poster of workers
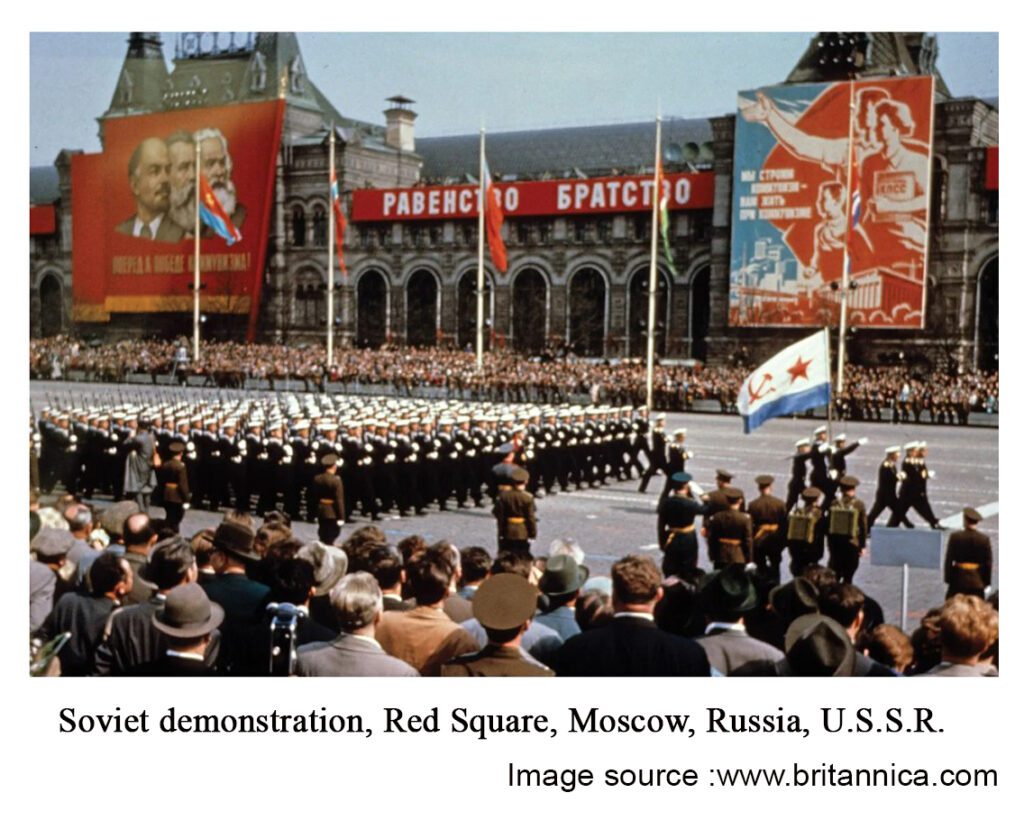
[
  {"x": 134, "y": 235},
  {"x": 829, "y": 176}
]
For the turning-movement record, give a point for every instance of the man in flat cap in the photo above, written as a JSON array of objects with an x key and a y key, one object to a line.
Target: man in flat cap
[
  {"x": 516, "y": 514},
  {"x": 187, "y": 620},
  {"x": 172, "y": 485},
  {"x": 968, "y": 567},
  {"x": 847, "y": 530},
  {"x": 504, "y": 604},
  {"x": 805, "y": 532},
  {"x": 329, "y": 496},
  {"x": 768, "y": 516},
  {"x": 729, "y": 532},
  {"x": 677, "y": 534},
  {"x": 50, "y": 547}
]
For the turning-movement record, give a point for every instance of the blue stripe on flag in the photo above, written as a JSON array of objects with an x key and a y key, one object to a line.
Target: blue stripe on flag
[
  {"x": 216, "y": 223},
  {"x": 788, "y": 404}
]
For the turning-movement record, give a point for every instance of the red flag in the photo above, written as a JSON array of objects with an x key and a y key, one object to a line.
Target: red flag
[
  {"x": 494, "y": 217},
  {"x": 213, "y": 215},
  {"x": 339, "y": 223}
]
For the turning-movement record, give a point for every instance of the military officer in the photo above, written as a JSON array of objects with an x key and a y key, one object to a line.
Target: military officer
[
  {"x": 968, "y": 567},
  {"x": 172, "y": 485},
  {"x": 768, "y": 515},
  {"x": 729, "y": 532},
  {"x": 678, "y": 455},
  {"x": 847, "y": 530},
  {"x": 717, "y": 500},
  {"x": 677, "y": 534},
  {"x": 330, "y": 499},
  {"x": 516, "y": 514}
]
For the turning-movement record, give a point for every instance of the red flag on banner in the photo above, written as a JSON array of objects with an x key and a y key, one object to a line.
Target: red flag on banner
[
  {"x": 494, "y": 217},
  {"x": 339, "y": 223}
]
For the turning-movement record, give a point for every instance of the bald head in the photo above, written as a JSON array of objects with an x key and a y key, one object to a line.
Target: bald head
[{"x": 138, "y": 531}]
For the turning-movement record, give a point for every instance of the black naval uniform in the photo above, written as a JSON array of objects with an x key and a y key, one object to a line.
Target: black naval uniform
[
  {"x": 797, "y": 479},
  {"x": 885, "y": 493},
  {"x": 677, "y": 534},
  {"x": 914, "y": 494}
]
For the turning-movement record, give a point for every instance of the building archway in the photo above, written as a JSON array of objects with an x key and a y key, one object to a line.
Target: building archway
[
  {"x": 588, "y": 312},
  {"x": 51, "y": 306},
  {"x": 372, "y": 310},
  {"x": 986, "y": 332},
  {"x": 422, "y": 308},
  {"x": 700, "y": 313},
  {"x": 529, "y": 312},
  {"x": 466, "y": 320},
  {"x": 636, "y": 321}
]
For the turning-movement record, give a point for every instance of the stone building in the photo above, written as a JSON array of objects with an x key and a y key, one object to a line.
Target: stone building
[{"x": 578, "y": 280}]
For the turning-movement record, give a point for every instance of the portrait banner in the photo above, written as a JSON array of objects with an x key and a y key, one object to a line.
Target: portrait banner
[
  {"x": 134, "y": 212},
  {"x": 827, "y": 177}
]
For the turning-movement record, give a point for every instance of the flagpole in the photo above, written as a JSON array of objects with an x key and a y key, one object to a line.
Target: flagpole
[
  {"x": 652, "y": 280},
  {"x": 330, "y": 261},
  {"x": 846, "y": 253},
  {"x": 828, "y": 364},
  {"x": 195, "y": 282},
  {"x": 480, "y": 265}
]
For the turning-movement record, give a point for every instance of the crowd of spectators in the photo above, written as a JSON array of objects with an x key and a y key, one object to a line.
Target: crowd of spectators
[
  {"x": 135, "y": 598},
  {"x": 892, "y": 393}
]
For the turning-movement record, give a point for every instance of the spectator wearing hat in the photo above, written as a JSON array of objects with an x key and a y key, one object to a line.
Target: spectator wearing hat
[
  {"x": 187, "y": 620},
  {"x": 84, "y": 616},
  {"x": 631, "y": 644},
  {"x": 516, "y": 514},
  {"x": 112, "y": 523},
  {"x": 847, "y": 530},
  {"x": 785, "y": 603},
  {"x": 805, "y": 532},
  {"x": 172, "y": 485},
  {"x": 241, "y": 598},
  {"x": 539, "y": 643},
  {"x": 329, "y": 496},
  {"x": 725, "y": 596},
  {"x": 968, "y": 628},
  {"x": 677, "y": 534},
  {"x": 139, "y": 538},
  {"x": 729, "y": 532},
  {"x": 768, "y": 519},
  {"x": 356, "y": 599},
  {"x": 816, "y": 645},
  {"x": 50, "y": 548},
  {"x": 129, "y": 639},
  {"x": 845, "y": 604},
  {"x": 504, "y": 605},
  {"x": 561, "y": 584},
  {"x": 968, "y": 567},
  {"x": 425, "y": 637}
]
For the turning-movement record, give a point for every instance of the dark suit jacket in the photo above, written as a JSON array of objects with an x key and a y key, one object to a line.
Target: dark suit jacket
[
  {"x": 349, "y": 656},
  {"x": 729, "y": 650},
  {"x": 84, "y": 618},
  {"x": 168, "y": 665},
  {"x": 242, "y": 648},
  {"x": 630, "y": 646},
  {"x": 167, "y": 232}
]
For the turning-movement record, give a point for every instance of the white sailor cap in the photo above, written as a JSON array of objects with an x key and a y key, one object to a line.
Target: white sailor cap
[
  {"x": 679, "y": 433},
  {"x": 840, "y": 437},
  {"x": 660, "y": 416},
  {"x": 821, "y": 430},
  {"x": 300, "y": 424},
  {"x": 802, "y": 442},
  {"x": 922, "y": 444},
  {"x": 889, "y": 450},
  {"x": 912, "y": 445},
  {"x": 329, "y": 426}
]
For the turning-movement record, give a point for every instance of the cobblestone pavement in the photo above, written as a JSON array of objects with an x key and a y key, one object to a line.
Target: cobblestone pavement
[{"x": 616, "y": 519}]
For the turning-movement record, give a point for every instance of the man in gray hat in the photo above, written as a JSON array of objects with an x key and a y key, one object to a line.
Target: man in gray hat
[
  {"x": 50, "y": 548},
  {"x": 504, "y": 604},
  {"x": 726, "y": 596},
  {"x": 357, "y": 604},
  {"x": 188, "y": 619},
  {"x": 561, "y": 583}
]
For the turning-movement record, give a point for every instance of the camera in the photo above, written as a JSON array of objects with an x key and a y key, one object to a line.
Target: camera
[{"x": 284, "y": 636}]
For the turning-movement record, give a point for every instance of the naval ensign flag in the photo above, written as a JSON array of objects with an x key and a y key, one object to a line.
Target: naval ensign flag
[{"x": 794, "y": 380}]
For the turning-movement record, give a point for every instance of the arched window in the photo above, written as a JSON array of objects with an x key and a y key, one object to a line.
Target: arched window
[
  {"x": 298, "y": 226},
  {"x": 320, "y": 227}
]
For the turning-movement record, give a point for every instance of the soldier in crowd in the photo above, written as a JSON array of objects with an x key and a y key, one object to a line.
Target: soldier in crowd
[
  {"x": 677, "y": 533},
  {"x": 729, "y": 532},
  {"x": 172, "y": 490},
  {"x": 768, "y": 516},
  {"x": 516, "y": 514},
  {"x": 847, "y": 530},
  {"x": 805, "y": 532},
  {"x": 330, "y": 498},
  {"x": 968, "y": 566}
]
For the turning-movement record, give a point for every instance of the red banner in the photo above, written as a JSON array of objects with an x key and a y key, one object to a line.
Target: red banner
[
  {"x": 621, "y": 194},
  {"x": 42, "y": 220},
  {"x": 992, "y": 168},
  {"x": 134, "y": 212}
]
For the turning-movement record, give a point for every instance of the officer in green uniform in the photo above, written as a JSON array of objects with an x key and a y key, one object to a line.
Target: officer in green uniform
[
  {"x": 968, "y": 568},
  {"x": 847, "y": 530},
  {"x": 172, "y": 485},
  {"x": 805, "y": 532},
  {"x": 768, "y": 515},
  {"x": 729, "y": 532},
  {"x": 329, "y": 497},
  {"x": 516, "y": 514}
]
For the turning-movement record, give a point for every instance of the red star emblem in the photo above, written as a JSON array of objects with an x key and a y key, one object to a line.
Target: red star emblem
[{"x": 798, "y": 370}]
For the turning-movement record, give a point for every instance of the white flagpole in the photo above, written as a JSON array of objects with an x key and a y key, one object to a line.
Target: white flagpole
[
  {"x": 844, "y": 290},
  {"x": 195, "y": 281},
  {"x": 480, "y": 266},
  {"x": 330, "y": 259},
  {"x": 652, "y": 279},
  {"x": 828, "y": 366}
]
